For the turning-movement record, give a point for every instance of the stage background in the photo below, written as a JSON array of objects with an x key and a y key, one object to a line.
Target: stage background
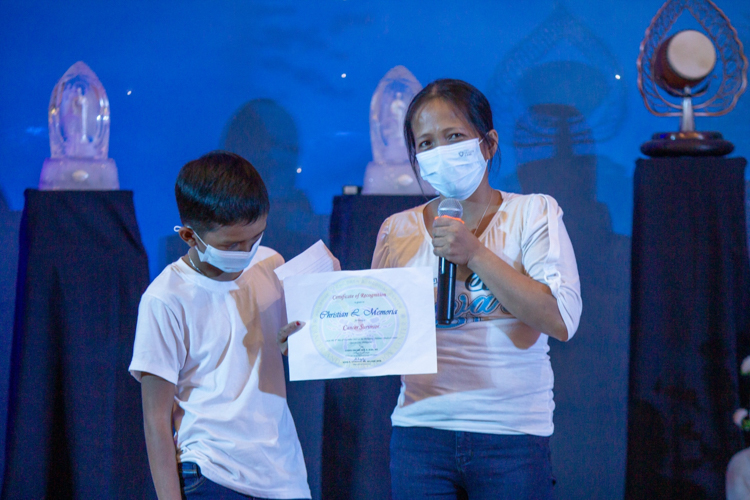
[{"x": 288, "y": 84}]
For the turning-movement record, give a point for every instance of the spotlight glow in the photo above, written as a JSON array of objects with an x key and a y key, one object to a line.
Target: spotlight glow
[
  {"x": 343, "y": 75},
  {"x": 617, "y": 76},
  {"x": 299, "y": 170}
]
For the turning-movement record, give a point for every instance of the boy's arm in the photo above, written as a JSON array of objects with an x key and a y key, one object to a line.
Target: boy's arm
[{"x": 158, "y": 398}]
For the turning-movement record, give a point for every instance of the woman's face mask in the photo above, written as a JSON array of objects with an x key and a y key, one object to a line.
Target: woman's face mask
[
  {"x": 455, "y": 170},
  {"x": 227, "y": 261}
]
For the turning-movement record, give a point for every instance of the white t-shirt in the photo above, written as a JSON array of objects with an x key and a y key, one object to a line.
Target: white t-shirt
[
  {"x": 216, "y": 341},
  {"x": 485, "y": 383}
]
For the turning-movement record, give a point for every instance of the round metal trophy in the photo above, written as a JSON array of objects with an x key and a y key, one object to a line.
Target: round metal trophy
[{"x": 690, "y": 73}]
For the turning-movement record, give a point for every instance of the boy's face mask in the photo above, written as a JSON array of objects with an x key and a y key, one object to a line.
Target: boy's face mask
[
  {"x": 456, "y": 170},
  {"x": 228, "y": 261}
]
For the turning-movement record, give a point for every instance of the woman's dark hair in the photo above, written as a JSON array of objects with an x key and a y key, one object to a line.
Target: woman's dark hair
[
  {"x": 218, "y": 189},
  {"x": 467, "y": 100}
]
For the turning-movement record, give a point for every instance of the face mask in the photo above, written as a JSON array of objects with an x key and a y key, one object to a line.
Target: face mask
[
  {"x": 227, "y": 261},
  {"x": 455, "y": 170}
]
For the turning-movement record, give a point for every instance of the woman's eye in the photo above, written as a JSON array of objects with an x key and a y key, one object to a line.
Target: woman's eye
[
  {"x": 455, "y": 135},
  {"x": 424, "y": 144}
]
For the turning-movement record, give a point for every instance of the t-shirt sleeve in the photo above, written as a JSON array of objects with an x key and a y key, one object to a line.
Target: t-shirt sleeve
[
  {"x": 548, "y": 257},
  {"x": 381, "y": 253},
  {"x": 159, "y": 346}
]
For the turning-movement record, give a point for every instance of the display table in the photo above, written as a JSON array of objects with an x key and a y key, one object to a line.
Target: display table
[
  {"x": 357, "y": 424},
  {"x": 690, "y": 326},
  {"x": 75, "y": 420}
]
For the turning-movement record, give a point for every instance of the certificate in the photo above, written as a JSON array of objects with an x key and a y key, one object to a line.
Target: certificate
[{"x": 362, "y": 323}]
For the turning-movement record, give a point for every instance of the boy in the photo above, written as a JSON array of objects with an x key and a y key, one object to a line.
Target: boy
[{"x": 206, "y": 351}]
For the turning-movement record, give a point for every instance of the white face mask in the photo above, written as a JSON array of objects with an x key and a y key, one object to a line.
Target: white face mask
[
  {"x": 455, "y": 170},
  {"x": 227, "y": 261}
]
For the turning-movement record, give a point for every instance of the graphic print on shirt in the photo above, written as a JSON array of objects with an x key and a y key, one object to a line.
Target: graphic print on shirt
[{"x": 474, "y": 302}]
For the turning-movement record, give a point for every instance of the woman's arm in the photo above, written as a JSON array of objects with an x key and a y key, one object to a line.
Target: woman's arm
[
  {"x": 528, "y": 300},
  {"x": 158, "y": 399}
]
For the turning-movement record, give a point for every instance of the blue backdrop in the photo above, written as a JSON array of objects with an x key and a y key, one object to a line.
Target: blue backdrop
[{"x": 187, "y": 77}]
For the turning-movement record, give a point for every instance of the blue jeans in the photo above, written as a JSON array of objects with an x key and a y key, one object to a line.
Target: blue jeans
[
  {"x": 195, "y": 485},
  {"x": 432, "y": 463}
]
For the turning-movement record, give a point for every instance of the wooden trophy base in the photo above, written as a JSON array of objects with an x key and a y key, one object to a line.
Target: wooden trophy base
[{"x": 687, "y": 144}]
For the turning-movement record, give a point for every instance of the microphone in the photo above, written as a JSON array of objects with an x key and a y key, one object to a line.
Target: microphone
[{"x": 446, "y": 284}]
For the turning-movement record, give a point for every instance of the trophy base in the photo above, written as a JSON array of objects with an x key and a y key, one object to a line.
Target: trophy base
[
  {"x": 687, "y": 144},
  {"x": 393, "y": 178},
  {"x": 79, "y": 174}
]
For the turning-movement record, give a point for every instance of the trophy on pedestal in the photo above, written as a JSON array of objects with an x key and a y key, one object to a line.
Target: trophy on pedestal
[
  {"x": 390, "y": 172},
  {"x": 79, "y": 135},
  {"x": 690, "y": 73}
]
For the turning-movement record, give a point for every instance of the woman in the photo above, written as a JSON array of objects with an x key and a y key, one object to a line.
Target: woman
[{"x": 479, "y": 427}]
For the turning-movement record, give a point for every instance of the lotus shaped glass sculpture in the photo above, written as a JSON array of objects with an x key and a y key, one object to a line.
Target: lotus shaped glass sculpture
[
  {"x": 390, "y": 171},
  {"x": 79, "y": 135}
]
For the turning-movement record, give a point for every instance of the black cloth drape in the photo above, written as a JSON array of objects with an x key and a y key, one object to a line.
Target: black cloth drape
[
  {"x": 690, "y": 314},
  {"x": 357, "y": 423},
  {"x": 75, "y": 421}
]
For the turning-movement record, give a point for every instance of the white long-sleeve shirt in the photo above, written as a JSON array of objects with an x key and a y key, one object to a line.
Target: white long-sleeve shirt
[{"x": 484, "y": 382}]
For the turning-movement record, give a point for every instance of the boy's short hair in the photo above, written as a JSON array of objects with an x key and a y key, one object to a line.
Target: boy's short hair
[{"x": 218, "y": 189}]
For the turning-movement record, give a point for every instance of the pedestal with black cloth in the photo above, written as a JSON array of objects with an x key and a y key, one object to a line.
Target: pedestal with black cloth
[
  {"x": 357, "y": 424},
  {"x": 75, "y": 420},
  {"x": 690, "y": 326}
]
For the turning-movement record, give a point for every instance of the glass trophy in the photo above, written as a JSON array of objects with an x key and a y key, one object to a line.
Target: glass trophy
[
  {"x": 390, "y": 172},
  {"x": 79, "y": 135}
]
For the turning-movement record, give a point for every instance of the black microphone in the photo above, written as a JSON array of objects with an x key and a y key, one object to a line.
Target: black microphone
[{"x": 446, "y": 285}]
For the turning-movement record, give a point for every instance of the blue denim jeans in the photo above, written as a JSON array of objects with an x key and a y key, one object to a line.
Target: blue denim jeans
[
  {"x": 432, "y": 463},
  {"x": 195, "y": 485}
]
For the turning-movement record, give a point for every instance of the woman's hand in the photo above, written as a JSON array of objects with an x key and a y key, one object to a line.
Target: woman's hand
[
  {"x": 528, "y": 300},
  {"x": 285, "y": 332},
  {"x": 453, "y": 241}
]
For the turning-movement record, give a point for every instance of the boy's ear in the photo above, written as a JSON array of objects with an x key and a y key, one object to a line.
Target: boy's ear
[{"x": 187, "y": 235}]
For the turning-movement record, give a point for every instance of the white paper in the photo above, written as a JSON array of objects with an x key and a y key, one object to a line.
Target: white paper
[
  {"x": 316, "y": 259},
  {"x": 362, "y": 323}
]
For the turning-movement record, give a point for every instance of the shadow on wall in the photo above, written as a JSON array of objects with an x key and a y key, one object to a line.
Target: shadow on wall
[
  {"x": 555, "y": 95},
  {"x": 591, "y": 371},
  {"x": 264, "y": 133}
]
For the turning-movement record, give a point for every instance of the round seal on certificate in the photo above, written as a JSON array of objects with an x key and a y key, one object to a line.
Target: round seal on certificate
[{"x": 359, "y": 323}]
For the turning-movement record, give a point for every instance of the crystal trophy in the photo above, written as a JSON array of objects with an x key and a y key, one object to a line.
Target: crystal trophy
[
  {"x": 79, "y": 135},
  {"x": 690, "y": 73},
  {"x": 390, "y": 172}
]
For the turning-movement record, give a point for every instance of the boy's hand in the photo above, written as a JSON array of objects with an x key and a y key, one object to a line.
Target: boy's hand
[{"x": 285, "y": 332}]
